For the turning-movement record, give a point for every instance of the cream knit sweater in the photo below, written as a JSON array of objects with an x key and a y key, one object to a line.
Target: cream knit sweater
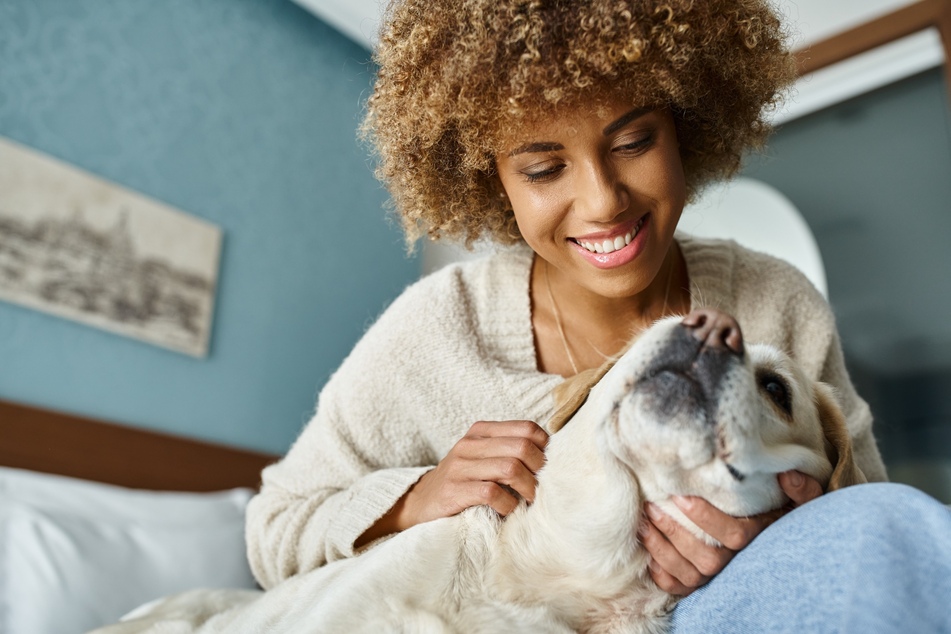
[{"x": 457, "y": 347}]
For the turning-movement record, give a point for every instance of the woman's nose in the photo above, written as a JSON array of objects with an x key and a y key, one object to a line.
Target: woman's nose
[{"x": 600, "y": 197}]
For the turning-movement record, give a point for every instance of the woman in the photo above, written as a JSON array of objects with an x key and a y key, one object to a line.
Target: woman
[{"x": 575, "y": 130}]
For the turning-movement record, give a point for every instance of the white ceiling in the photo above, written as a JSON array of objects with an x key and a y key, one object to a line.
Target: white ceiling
[
  {"x": 357, "y": 19},
  {"x": 818, "y": 19},
  {"x": 811, "y": 20},
  {"x": 814, "y": 19}
]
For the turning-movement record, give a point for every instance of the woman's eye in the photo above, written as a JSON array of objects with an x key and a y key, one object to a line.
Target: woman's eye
[
  {"x": 542, "y": 174},
  {"x": 637, "y": 146}
]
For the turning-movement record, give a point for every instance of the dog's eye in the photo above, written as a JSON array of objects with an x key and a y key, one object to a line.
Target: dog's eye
[{"x": 777, "y": 389}]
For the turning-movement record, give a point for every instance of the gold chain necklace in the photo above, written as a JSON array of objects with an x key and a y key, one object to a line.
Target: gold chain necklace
[{"x": 561, "y": 328}]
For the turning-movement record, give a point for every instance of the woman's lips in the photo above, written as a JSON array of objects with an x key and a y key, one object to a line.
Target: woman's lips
[
  {"x": 609, "y": 253},
  {"x": 610, "y": 245}
]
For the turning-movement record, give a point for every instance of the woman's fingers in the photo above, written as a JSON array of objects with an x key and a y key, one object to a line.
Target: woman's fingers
[
  {"x": 670, "y": 570},
  {"x": 505, "y": 453},
  {"x": 666, "y": 581},
  {"x": 526, "y": 429},
  {"x": 799, "y": 487},
  {"x": 736, "y": 532},
  {"x": 733, "y": 532},
  {"x": 508, "y": 471},
  {"x": 496, "y": 496},
  {"x": 487, "y": 448},
  {"x": 680, "y": 561},
  {"x": 492, "y": 464},
  {"x": 703, "y": 559}
]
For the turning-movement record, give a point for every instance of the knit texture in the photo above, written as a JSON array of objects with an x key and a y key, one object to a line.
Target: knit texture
[{"x": 457, "y": 347}]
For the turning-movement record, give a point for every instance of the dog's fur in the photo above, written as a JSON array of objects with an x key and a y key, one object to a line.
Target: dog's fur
[{"x": 670, "y": 417}]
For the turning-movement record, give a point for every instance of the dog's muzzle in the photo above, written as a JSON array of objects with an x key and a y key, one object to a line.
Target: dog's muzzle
[{"x": 688, "y": 371}]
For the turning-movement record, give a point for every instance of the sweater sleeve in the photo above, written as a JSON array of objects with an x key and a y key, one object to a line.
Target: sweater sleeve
[
  {"x": 320, "y": 498},
  {"x": 361, "y": 451}
]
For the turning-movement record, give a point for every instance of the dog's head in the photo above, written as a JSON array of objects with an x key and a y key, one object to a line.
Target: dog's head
[{"x": 692, "y": 409}]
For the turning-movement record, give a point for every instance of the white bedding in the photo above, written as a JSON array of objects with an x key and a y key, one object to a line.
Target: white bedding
[
  {"x": 336, "y": 598},
  {"x": 75, "y": 555}
]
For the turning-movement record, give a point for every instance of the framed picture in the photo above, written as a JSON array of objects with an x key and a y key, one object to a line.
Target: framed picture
[{"x": 79, "y": 247}]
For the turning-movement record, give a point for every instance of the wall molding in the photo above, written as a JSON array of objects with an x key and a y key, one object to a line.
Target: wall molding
[
  {"x": 906, "y": 22},
  {"x": 878, "y": 32}
]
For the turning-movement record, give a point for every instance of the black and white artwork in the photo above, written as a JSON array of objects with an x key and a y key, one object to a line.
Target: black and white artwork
[{"x": 82, "y": 248}]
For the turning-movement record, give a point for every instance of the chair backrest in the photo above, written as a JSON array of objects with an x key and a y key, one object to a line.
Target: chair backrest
[{"x": 759, "y": 217}]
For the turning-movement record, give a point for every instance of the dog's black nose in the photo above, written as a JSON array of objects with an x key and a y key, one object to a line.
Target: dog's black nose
[{"x": 715, "y": 330}]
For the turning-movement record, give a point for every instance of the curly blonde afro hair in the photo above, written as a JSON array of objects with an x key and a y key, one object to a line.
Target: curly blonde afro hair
[{"x": 457, "y": 76}]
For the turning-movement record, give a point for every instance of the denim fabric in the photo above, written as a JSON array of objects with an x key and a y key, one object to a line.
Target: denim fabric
[{"x": 868, "y": 559}]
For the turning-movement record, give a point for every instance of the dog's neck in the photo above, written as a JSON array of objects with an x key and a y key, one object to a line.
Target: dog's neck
[{"x": 575, "y": 548}]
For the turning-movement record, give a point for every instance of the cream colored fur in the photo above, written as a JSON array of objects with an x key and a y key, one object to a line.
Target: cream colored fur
[{"x": 571, "y": 561}]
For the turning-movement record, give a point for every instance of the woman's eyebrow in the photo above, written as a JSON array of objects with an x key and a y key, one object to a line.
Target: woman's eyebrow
[
  {"x": 549, "y": 146},
  {"x": 624, "y": 120},
  {"x": 614, "y": 126}
]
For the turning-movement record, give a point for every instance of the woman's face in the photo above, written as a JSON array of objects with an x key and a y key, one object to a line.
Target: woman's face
[{"x": 598, "y": 194}]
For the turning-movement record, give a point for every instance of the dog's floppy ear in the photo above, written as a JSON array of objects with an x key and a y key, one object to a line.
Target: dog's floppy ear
[
  {"x": 571, "y": 395},
  {"x": 845, "y": 472}
]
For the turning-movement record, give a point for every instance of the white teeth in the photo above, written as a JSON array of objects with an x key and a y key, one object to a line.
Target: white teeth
[{"x": 609, "y": 246}]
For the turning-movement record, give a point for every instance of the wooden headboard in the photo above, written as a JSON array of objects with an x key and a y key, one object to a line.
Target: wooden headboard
[{"x": 51, "y": 442}]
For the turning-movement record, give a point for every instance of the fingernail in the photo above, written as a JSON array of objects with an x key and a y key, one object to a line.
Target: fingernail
[
  {"x": 653, "y": 511},
  {"x": 795, "y": 478},
  {"x": 682, "y": 502},
  {"x": 643, "y": 529}
]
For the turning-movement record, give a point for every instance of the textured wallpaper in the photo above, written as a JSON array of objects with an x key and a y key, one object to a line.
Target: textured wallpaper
[{"x": 242, "y": 112}]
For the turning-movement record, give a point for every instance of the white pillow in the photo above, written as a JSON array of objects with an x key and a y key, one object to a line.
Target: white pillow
[{"x": 75, "y": 555}]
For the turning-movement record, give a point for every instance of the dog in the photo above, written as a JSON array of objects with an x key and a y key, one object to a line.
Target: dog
[{"x": 689, "y": 409}]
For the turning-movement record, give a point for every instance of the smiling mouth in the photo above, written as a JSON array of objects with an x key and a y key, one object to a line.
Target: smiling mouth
[{"x": 610, "y": 245}]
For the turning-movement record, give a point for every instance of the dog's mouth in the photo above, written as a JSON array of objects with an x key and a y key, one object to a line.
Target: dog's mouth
[{"x": 724, "y": 455}]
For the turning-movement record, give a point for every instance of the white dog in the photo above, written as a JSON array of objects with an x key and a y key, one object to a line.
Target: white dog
[{"x": 689, "y": 409}]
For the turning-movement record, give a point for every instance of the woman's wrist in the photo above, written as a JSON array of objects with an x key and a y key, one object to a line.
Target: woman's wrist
[
  {"x": 391, "y": 522},
  {"x": 397, "y": 519}
]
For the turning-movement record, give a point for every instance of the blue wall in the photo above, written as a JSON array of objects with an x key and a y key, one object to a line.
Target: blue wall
[{"x": 242, "y": 112}]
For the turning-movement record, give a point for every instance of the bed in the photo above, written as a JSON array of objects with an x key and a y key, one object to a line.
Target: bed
[{"x": 97, "y": 518}]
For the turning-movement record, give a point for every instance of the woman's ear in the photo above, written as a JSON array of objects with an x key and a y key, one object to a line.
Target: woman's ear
[
  {"x": 571, "y": 395},
  {"x": 845, "y": 472}
]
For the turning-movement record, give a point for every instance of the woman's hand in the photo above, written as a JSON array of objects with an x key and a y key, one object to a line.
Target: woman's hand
[
  {"x": 492, "y": 462},
  {"x": 681, "y": 563},
  {"x": 490, "y": 455}
]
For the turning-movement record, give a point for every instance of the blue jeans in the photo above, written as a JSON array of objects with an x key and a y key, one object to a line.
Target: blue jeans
[{"x": 868, "y": 559}]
